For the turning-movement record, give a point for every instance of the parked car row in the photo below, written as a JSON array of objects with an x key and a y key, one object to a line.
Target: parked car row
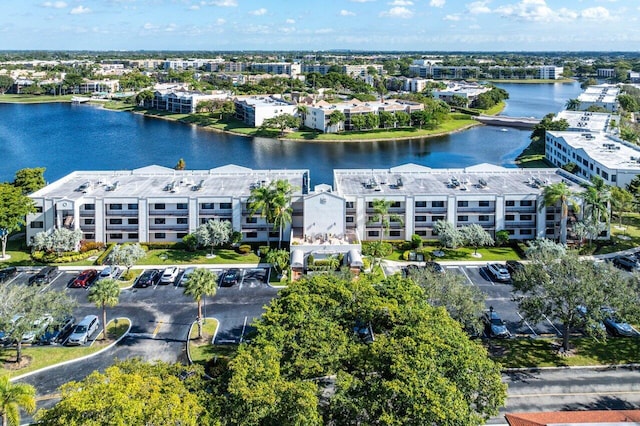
[{"x": 46, "y": 330}]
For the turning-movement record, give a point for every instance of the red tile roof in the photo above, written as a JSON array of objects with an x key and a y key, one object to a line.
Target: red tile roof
[{"x": 573, "y": 417}]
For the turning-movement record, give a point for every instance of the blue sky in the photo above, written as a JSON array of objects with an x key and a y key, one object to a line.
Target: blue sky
[{"x": 496, "y": 25}]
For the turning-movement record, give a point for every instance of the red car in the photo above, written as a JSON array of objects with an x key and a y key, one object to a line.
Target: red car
[{"x": 85, "y": 279}]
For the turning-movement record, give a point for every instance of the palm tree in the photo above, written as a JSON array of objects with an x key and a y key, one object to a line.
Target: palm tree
[
  {"x": 202, "y": 282},
  {"x": 572, "y": 105},
  {"x": 381, "y": 208},
  {"x": 13, "y": 397},
  {"x": 104, "y": 293},
  {"x": 560, "y": 193},
  {"x": 303, "y": 110},
  {"x": 596, "y": 199},
  {"x": 261, "y": 201}
]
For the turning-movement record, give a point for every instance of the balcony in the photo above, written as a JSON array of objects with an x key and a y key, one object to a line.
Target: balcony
[
  {"x": 215, "y": 212},
  {"x": 122, "y": 213},
  {"x": 527, "y": 209},
  {"x": 169, "y": 227},
  {"x": 183, "y": 213},
  {"x": 433, "y": 210}
]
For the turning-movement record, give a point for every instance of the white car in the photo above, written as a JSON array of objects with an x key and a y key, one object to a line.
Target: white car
[
  {"x": 169, "y": 275},
  {"x": 499, "y": 272},
  {"x": 38, "y": 328}
]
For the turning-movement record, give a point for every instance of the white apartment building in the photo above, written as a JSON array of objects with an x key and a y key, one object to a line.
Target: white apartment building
[
  {"x": 254, "y": 109},
  {"x": 494, "y": 197},
  {"x": 550, "y": 72},
  {"x": 319, "y": 68},
  {"x": 158, "y": 204},
  {"x": 361, "y": 70},
  {"x": 595, "y": 122},
  {"x": 99, "y": 86},
  {"x": 318, "y": 114},
  {"x": 602, "y": 95},
  {"x": 288, "y": 68},
  {"x": 605, "y": 72},
  {"x": 182, "y": 101},
  {"x": 469, "y": 91},
  {"x": 614, "y": 160}
]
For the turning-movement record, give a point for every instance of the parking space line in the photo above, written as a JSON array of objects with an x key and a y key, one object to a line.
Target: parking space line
[
  {"x": 244, "y": 326},
  {"x": 241, "y": 279},
  {"x": 466, "y": 275},
  {"x": 554, "y": 327},
  {"x": 49, "y": 283},
  {"x": 156, "y": 330},
  {"x": 527, "y": 324}
]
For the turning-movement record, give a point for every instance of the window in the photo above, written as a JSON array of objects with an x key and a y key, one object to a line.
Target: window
[
  {"x": 463, "y": 218},
  {"x": 394, "y": 233},
  {"x": 115, "y": 236},
  {"x": 38, "y": 209},
  {"x": 613, "y": 178},
  {"x": 225, "y": 206},
  {"x": 463, "y": 204},
  {"x": 160, "y": 235},
  {"x": 37, "y": 224},
  {"x": 483, "y": 218},
  {"x": 437, "y": 218},
  {"x": 509, "y": 217},
  {"x": 182, "y": 221},
  {"x": 605, "y": 175},
  {"x": 395, "y": 205},
  {"x": 525, "y": 232},
  {"x": 182, "y": 234},
  {"x": 526, "y": 217},
  {"x": 420, "y": 204},
  {"x": 252, "y": 220},
  {"x": 526, "y": 203},
  {"x": 350, "y": 204},
  {"x": 115, "y": 206},
  {"x": 89, "y": 206},
  {"x": 373, "y": 233},
  {"x": 207, "y": 206},
  {"x": 252, "y": 234},
  {"x": 159, "y": 206},
  {"x": 132, "y": 206},
  {"x": 203, "y": 220},
  {"x": 91, "y": 221},
  {"x": 437, "y": 204},
  {"x": 510, "y": 231},
  {"x": 159, "y": 221},
  {"x": 350, "y": 219},
  {"x": 182, "y": 206},
  {"x": 89, "y": 236},
  {"x": 132, "y": 221},
  {"x": 132, "y": 236},
  {"x": 370, "y": 205},
  {"x": 550, "y": 217},
  {"x": 550, "y": 231},
  {"x": 421, "y": 233},
  {"x": 509, "y": 203},
  {"x": 115, "y": 221},
  {"x": 273, "y": 234},
  {"x": 421, "y": 218},
  {"x": 483, "y": 203}
]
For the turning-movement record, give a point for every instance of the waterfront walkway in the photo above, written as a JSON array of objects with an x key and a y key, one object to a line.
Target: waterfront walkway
[{"x": 503, "y": 121}]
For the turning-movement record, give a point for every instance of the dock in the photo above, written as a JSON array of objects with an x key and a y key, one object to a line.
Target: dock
[
  {"x": 79, "y": 99},
  {"x": 504, "y": 121}
]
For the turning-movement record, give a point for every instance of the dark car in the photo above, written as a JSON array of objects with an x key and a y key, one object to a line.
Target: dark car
[
  {"x": 513, "y": 266},
  {"x": 8, "y": 272},
  {"x": 434, "y": 267},
  {"x": 57, "y": 331},
  {"x": 626, "y": 262},
  {"x": 148, "y": 278},
  {"x": 85, "y": 279},
  {"x": 494, "y": 326},
  {"x": 615, "y": 326},
  {"x": 230, "y": 277},
  {"x": 410, "y": 270},
  {"x": 43, "y": 276}
]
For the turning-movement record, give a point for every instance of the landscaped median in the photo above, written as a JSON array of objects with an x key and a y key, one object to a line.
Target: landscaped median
[
  {"x": 45, "y": 357},
  {"x": 201, "y": 350},
  {"x": 544, "y": 352}
]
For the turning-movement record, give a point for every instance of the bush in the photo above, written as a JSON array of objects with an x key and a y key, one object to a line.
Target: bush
[
  {"x": 264, "y": 250},
  {"x": 91, "y": 245},
  {"x": 163, "y": 246},
  {"x": 100, "y": 260},
  {"x": 405, "y": 255},
  {"x": 416, "y": 241},
  {"x": 502, "y": 238},
  {"x": 129, "y": 275},
  {"x": 190, "y": 241},
  {"x": 244, "y": 249}
]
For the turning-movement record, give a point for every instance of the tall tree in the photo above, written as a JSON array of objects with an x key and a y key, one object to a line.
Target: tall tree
[
  {"x": 261, "y": 202},
  {"x": 572, "y": 104},
  {"x": 381, "y": 208},
  {"x": 548, "y": 123},
  {"x": 13, "y": 397},
  {"x": 201, "y": 283},
  {"x": 105, "y": 293},
  {"x": 448, "y": 235},
  {"x": 621, "y": 201},
  {"x": 282, "y": 122},
  {"x": 476, "y": 236},
  {"x": 30, "y": 180},
  {"x": 214, "y": 233},
  {"x": 571, "y": 290},
  {"x": 335, "y": 118},
  {"x": 126, "y": 254},
  {"x": 14, "y": 207},
  {"x": 282, "y": 213},
  {"x": 180, "y": 165},
  {"x": 560, "y": 193},
  {"x": 596, "y": 199}
]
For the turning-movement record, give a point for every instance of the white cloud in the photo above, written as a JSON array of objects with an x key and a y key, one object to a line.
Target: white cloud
[
  {"x": 194, "y": 7},
  {"x": 170, "y": 28},
  {"x": 323, "y": 31},
  {"x": 361, "y": 1},
  {"x": 596, "y": 13},
  {"x": 225, "y": 3},
  {"x": 454, "y": 17},
  {"x": 474, "y": 27},
  {"x": 401, "y": 3},
  {"x": 344, "y": 12},
  {"x": 80, "y": 10},
  {"x": 220, "y": 21},
  {"x": 150, "y": 26},
  {"x": 290, "y": 21},
  {"x": 478, "y": 7},
  {"x": 437, "y": 3},
  {"x": 55, "y": 4},
  {"x": 398, "y": 12},
  {"x": 537, "y": 11},
  {"x": 258, "y": 12}
]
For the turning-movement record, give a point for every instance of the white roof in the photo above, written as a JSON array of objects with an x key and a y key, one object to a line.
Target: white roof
[
  {"x": 609, "y": 151},
  {"x": 588, "y": 121}
]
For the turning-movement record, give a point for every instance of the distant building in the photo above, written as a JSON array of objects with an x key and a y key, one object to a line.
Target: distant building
[
  {"x": 595, "y": 122},
  {"x": 469, "y": 91},
  {"x": 575, "y": 418},
  {"x": 287, "y": 68},
  {"x": 550, "y": 72},
  {"x": 634, "y": 77},
  {"x": 605, "y": 72},
  {"x": 99, "y": 86},
  {"x": 361, "y": 70},
  {"x": 254, "y": 109},
  {"x": 319, "y": 68},
  {"x": 182, "y": 101},
  {"x": 602, "y": 95}
]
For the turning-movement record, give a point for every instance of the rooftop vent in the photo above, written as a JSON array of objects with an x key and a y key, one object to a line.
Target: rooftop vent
[
  {"x": 199, "y": 186},
  {"x": 112, "y": 187},
  {"x": 84, "y": 187}
]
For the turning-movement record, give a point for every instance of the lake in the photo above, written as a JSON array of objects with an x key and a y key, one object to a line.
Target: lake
[{"x": 63, "y": 137}]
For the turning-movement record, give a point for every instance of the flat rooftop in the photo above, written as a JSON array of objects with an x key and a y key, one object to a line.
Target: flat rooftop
[
  {"x": 413, "y": 179},
  {"x": 588, "y": 121},
  {"x": 601, "y": 94},
  {"x": 606, "y": 150},
  {"x": 162, "y": 182},
  {"x": 262, "y": 101}
]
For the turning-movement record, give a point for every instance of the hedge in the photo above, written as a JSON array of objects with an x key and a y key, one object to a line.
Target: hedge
[
  {"x": 103, "y": 257},
  {"x": 65, "y": 257}
]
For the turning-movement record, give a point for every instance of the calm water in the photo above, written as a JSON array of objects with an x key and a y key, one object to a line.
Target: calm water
[{"x": 65, "y": 137}]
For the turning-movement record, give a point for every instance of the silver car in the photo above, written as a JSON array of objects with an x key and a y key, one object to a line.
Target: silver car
[{"x": 84, "y": 330}]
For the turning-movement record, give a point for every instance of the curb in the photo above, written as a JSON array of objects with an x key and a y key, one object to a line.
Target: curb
[
  {"x": 82, "y": 358},
  {"x": 570, "y": 367},
  {"x": 213, "y": 338}
]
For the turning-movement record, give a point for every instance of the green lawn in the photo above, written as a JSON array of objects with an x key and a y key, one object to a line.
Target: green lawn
[
  {"x": 462, "y": 253},
  {"x": 44, "y": 356},
  {"x": 20, "y": 255},
  {"x": 202, "y": 350},
  {"x": 519, "y": 353},
  {"x": 631, "y": 229},
  {"x": 496, "y": 109},
  {"x": 178, "y": 257},
  {"x": 32, "y": 99}
]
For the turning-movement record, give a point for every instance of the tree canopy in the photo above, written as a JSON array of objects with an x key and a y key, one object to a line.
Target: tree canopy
[
  {"x": 14, "y": 207},
  {"x": 30, "y": 180},
  {"x": 335, "y": 351}
]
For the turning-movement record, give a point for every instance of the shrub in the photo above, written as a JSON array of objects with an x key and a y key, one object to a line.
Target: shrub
[
  {"x": 502, "y": 238},
  {"x": 244, "y": 249},
  {"x": 264, "y": 250},
  {"x": 100, "y": 260},
  {"x": 91, "y": 245},
  {"x": 416, "y": 241},
  {"x": 129, "y": 275},
  {"x": 405, "y": 255},
  {"x": 190, "y": 241},
  {"x": 163, "y": 246}
]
